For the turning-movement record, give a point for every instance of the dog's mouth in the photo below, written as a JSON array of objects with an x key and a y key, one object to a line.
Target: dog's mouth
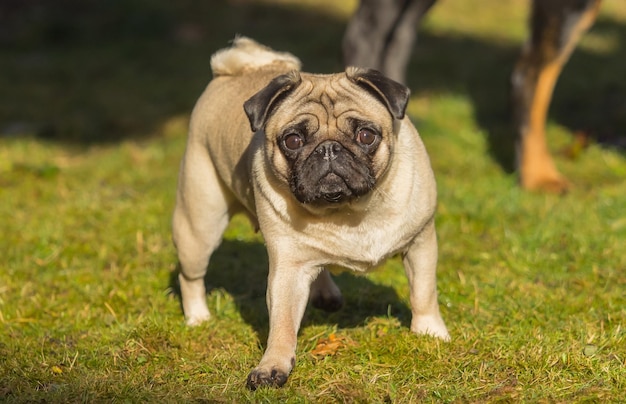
[
  {"x": 331, "y": 175},
  {"x": 334, "y": 197},
  {"x": 331, "y": 189}
]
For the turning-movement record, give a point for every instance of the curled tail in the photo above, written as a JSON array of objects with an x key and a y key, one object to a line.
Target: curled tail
[{"x": 246, "y": 54}]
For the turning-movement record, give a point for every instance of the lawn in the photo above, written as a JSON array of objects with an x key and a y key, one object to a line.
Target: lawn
[{"x": 94, "y": 103}]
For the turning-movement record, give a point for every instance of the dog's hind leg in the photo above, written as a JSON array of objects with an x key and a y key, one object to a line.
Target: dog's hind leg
[
  {"x": 200, "y": 217},
  {"x": 556, "y": 27},
  {"x": 325, "y": 294}
]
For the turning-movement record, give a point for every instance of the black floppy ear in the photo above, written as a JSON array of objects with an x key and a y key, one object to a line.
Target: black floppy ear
[
  {"x": 393, "y": 94},
  {"x": 259, "y": 106}
]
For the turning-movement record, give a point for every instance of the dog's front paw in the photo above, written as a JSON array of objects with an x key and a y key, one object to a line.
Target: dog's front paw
[
  {"x": 196, "y": 313},
  {"x": 195, "y": 320},
  {"x": 260, "y": 377},
  {"x": 430, "y": 325}
]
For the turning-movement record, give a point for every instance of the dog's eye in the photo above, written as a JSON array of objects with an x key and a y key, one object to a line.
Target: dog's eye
[
  {"x": 293, "y": 141},
  {"x": 365, "y": 136}
]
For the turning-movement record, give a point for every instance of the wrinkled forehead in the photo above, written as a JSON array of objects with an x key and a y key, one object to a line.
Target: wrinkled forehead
[{"x": 332, "y": 98}]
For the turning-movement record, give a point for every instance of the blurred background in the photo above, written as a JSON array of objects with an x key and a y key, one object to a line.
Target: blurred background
[{"x": 100, "y": 71}]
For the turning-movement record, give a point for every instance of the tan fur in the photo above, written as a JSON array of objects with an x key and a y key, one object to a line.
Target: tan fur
[
  {"x": 247, "y": 54},
  {"x": 228, "y": 168}
]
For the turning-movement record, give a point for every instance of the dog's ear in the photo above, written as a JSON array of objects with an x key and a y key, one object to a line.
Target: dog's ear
[
  {"x": 393, "y": 94},
  {"x": 259, "y": 106}
]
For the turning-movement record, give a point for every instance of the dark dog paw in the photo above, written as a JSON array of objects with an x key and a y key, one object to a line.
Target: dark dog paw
[
  {"x": 329, "y": 304},
  {"x": 260, "y": 377}
]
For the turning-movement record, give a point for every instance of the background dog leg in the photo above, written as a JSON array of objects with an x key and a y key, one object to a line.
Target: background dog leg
[
  {"x": 287, "y": 296},
  {"x": 381, "y": 33},
  {"x": 420, "y": 264},
  {"x": 556, "y": 27}
]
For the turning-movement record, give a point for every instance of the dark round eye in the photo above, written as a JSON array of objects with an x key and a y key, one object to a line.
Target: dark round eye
[
  {"x": 293, "y": 141},
  {"x": 365, "y": 136}
]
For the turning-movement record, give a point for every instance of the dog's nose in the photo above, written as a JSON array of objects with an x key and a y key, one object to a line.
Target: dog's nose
[{"x": 329, "y": 149}]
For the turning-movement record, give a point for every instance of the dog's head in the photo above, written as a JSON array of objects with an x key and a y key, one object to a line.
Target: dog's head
[{"x": 329, "y": 137}]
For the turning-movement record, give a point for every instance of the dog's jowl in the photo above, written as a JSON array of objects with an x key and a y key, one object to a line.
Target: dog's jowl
[{"x": 331, "y": 169}]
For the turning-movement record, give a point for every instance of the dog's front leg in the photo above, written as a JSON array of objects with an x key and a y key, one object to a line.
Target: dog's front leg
[
  {"x": 420, "y": 264},
  {"x": 556, "y": 27},
  {"x": 287, "y": 296}
]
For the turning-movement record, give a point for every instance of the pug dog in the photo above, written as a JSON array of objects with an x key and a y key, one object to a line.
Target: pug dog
[{"x": 330, "y": 170}]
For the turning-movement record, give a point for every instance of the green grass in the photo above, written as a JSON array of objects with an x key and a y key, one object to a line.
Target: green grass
[{"x": 93, "y": 127}]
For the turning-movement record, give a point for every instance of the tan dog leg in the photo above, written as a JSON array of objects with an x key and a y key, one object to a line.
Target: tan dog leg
[
  {"x": 287, "y": 296},
  {"x": 200, "y": 218},
  {"x": 420, "y": 263},
  {"x": 557, "y": 25}
]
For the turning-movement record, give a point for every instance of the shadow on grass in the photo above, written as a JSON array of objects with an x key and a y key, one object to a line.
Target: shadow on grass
[
  {"x": 92, "y": 71},
  {"x": 241, "y": 268},
  {"x": 89, "y": 71}
]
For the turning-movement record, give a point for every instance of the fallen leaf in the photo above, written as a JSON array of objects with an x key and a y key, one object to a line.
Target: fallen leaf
[
  {"x": 329, "y": 346},
  {"x": 590, "y": 350},
  {"x": 580, "y": 142}
]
